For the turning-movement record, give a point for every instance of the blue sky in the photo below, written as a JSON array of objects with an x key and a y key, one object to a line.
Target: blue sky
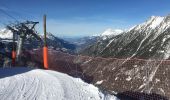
[{"x": 83, "y": 17}]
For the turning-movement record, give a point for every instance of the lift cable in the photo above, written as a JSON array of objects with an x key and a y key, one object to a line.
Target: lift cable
[{"x": 6, "y": 13}]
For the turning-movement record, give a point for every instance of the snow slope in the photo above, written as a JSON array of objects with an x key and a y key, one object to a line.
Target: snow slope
[{"x": 37, "y": 84}]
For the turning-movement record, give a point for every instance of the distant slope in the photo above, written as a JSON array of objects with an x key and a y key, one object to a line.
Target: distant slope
[
  {"x": 60, "y": 44},
  {"x": 36, "y": 84},
  {"x": 84, "y": 42}
]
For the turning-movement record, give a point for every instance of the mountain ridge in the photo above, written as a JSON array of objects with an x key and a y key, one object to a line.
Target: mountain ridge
[
  {"x": 53, "y": 41},
  {"x": 146, "y": 40}
]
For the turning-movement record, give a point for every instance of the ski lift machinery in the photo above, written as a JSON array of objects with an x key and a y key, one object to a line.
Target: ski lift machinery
[{"x": 23, "y": 31}]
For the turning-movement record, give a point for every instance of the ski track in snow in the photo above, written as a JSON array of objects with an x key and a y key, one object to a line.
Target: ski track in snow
[{"x": 47, "y": 85}]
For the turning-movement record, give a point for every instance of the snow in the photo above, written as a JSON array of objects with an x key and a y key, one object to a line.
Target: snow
[
  {"x": 109, "y": 43},
  {"x": 50, "y": 36},
  {"x": 87, "y": 61},
  {"x": 99, "y": 82},
  {"x": 160, "y": 89},
  {"x": 144, "y": 84},
  {"x": 157, "y": 80},
  {"x": 152, "y": 23},
  {"x": 147, "y": 28},
  {"x": 149, "y": 79},
  {"x": 111, "y": 32},
  {"x": 128, "y": 79},
  {"x": 131, "y": 28},
  {"x": 37, "y": 84},
  {"x": 6, "y": 34},
  {"x": 151, "y": 76},
  {"x": 156, "y": 20}
]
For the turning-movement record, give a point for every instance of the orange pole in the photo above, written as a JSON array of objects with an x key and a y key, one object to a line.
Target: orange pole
[
  {"x": 13, "y": 57},
  {"x": 45, "y": 49},
  {"x": 13, "y": 51},
  {"x": 45, "y": 53}
]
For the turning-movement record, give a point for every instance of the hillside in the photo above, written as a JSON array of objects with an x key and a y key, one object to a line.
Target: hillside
[{"x": 112, "y": 74}]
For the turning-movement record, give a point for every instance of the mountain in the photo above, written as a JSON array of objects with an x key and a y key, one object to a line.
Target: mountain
[
  {"x": 38, "y": 84},
  {"x": 111, "y": 32},
  {"x": 60, "y": 44},
  {"x": 83, "y": 42},
  {"x": 53, "y": 41},
  {"x": 150, "y": 39},
  {"x": 108, "y": 33},
  {"x": 5, "y": 34}
]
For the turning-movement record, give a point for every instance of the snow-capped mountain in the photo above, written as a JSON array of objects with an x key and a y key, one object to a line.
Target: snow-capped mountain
[
  {"x": 84, "y": 42},
  {"x": 150, "y": 24},
  {"x": 150, "y": 39},
  {"x": 5, "y": 34},
  {"x": 37, "y": 84},
  {"x": 111, "y": 32}
]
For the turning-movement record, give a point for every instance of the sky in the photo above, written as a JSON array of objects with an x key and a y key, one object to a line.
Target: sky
[{"x": 74, "y": 18}]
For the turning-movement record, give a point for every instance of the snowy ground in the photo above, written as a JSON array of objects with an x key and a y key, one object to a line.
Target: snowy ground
[{"x": 37, "y": 84}]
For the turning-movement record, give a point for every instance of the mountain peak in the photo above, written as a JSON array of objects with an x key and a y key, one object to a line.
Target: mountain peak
[
  {"x": 110, "y": 31},
  {"x": 151, "y": 23},
  {"x": 154, "y": 17},
  {"x": 155, "y": 21}
]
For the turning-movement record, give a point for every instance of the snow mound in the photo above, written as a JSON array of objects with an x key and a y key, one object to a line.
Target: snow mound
[
  {"x": 37, "y": 84},
  {"x": 111, "y": 32}
]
